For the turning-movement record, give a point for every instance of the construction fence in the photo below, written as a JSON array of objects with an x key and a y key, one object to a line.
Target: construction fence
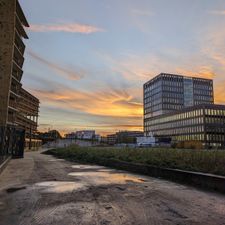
[{"x": 12, "y": 142}]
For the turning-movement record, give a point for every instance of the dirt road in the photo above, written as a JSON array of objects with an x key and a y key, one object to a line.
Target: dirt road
[{"x": 40, "y": 189}]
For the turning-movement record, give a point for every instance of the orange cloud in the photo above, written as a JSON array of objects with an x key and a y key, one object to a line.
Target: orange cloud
[
  {"x": 203, "y": 72},
  {"x": 106, "y": 111},
  {"x": 113, "y": 103},
  {"x": 70, "y": 28},
  {"x": 219, "y": 93},
  {"x": 59, "y": 69}
]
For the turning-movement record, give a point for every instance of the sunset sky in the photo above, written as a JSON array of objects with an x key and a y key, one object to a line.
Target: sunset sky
[{"x": 87, "y": 60}]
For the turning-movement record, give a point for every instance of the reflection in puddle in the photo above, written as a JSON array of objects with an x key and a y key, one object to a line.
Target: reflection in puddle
[
  {"x": 59, "y": 186},
  {"x": 105, "y": 170},
  {"x": 56, "y": 160},
  {"x": 107, "y": 177},
  {"x": 87, "y": 167}
]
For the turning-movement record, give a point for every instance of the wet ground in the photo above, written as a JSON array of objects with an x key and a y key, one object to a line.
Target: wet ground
[{"x": 40, "y": 189}]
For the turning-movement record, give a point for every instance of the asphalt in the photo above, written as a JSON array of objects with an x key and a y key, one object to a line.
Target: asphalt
[{"x": 42, "y": 190}]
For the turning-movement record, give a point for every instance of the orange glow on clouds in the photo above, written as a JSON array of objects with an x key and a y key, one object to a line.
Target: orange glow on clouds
[
  {"x": 98, "y": 103},
  {"x": 69, "y": 27}
]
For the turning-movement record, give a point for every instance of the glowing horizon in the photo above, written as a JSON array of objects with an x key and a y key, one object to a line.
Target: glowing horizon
[{"x": 87, "y": 61}]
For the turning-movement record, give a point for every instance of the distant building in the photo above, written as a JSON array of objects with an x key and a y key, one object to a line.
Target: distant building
[
  {"x": 146, "y": 141},
  {"x": 111, "y": 139},
  {"x": 97, "y": 137},
  {"x": 18, "y": 108},
  {"x": 72, "y": 135},
  {"x": 126, "y": 137},
  {"x": 49, "y": 136},
  {"x": 85, "y": 134},
  {"x": 182, "y": 109},
  {"x": 104, "y": 139}
]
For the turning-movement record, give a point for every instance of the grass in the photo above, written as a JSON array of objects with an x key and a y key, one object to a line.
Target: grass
[{"x": 206, "y": 161}]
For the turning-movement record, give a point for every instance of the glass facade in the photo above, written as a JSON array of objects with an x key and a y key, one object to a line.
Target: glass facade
[
  {"x": 168, "y": 93},
  {"x": 182, "y": 109},
  {"x": 188, "y": 92},
  {"x": 205, "y": 123}
]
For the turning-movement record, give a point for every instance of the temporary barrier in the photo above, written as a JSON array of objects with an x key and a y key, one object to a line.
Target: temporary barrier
[{"x": 12, "y": 141}]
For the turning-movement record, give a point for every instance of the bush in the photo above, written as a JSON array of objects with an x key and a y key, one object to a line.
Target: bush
[{"x": 207, "y": 161}]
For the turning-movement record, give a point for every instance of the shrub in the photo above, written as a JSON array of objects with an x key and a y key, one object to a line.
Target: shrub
[{"x": 208, "y": 161}]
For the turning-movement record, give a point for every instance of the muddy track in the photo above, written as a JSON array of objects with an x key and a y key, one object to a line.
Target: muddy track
[{"x": 47, "y": 191}]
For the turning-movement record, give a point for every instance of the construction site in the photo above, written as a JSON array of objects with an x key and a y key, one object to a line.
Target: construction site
[{"x": 19, "y": 109}]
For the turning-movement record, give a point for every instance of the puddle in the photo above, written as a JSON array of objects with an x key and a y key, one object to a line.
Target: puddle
[
  {"x": 59, "y": 186},
  {"x": 87, "y": 167},
  {"x": 14, "y": 189},
  {"x": 105, "y": 170},
  {"x": 56, "y": 160},
  {"x": 108, "y": 177}
]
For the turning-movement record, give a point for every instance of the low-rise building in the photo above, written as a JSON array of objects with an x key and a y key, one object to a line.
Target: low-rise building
[
  {"x": 128, "y": 136},
  {"x": 71, "y": 135},
  {"x": 146, "y": 141},
  {"x": 124, "y": 137},
  {"x": 111, "y": 139},
  {"x": 201, "y": 123},
  {"x": 82, "y": 134}
]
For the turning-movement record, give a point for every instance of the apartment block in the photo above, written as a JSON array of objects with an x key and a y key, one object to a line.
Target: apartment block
[{"x": 16, "y": 104}]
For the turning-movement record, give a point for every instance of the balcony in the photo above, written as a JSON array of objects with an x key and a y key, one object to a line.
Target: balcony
[
  {"x": 15, "y": 88},
  {"x": 18, "y": 57},
  {"x": 17, "y": 71},
  {"x": 20, "y": 29},
  {"x": 13, "y": 104},
  {"x": 19, "y": 43},
  {"x": 16, "y": 77},
  {"x": 20, "y": 14},
  {"x": 11, "y": 118},
  {"x": 26, "y": 123},
  {"x": 27, "y": 109}
]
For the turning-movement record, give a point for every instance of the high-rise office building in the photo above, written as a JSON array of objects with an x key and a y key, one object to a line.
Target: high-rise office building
[
  {"x": 182, "y": 109},
  {"x": 18, "y": 108},
  {"x": 168, "y": 92}
]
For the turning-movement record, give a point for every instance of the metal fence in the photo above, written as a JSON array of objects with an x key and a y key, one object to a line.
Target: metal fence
[{"x": 12, "y": 141}]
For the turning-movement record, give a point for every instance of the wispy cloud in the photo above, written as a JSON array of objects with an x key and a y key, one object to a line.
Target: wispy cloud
[
  {"x": 139, "y": 12},
  {"x": 217, "y": 12},
  {"x": 66, "y": 120},
  {"x": 202, "y": 71},
  {"x": 105, "y": 102},
  {"x": 67, "y": 27},
  {"x": 105, "y": 110},
  {"x": 219, "y": 93},
  {"x": 72, "y": 75},
  {"x": 96, "y": 103}
]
